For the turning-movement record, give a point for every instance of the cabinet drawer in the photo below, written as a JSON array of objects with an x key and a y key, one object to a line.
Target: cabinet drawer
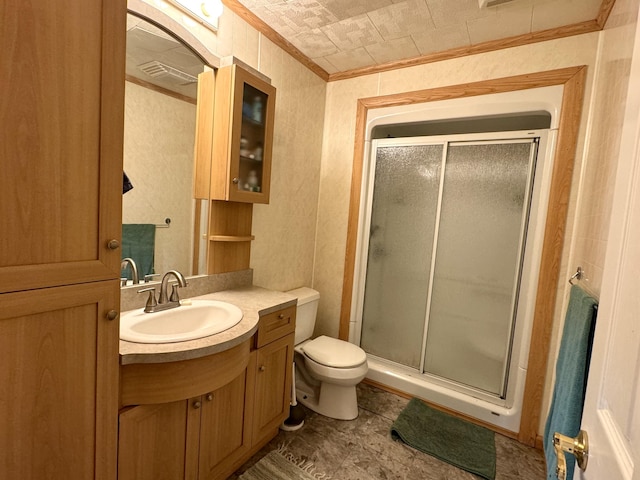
[{"x": 276, "y": 325}]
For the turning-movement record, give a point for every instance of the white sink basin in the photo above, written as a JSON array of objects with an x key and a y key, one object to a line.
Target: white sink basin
[{"x": 199, "y": 319}]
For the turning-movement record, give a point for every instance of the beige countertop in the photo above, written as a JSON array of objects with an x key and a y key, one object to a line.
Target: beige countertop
[{"x": 253, "y": 301}]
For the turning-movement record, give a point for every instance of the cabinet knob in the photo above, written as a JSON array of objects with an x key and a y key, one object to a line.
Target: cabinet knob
[
  {"x": 262, "y": 368},
  {"x": 113, "y": 244},
  {"x": 209, "y": 397},
  {"x": 281, "y": 316},
  {"x": 235, "y": 181},
  {"x": 112, "y": 315},
  {"x": 197, "y": 404}
]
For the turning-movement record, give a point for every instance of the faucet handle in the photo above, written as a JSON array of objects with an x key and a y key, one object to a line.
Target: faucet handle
[
  {"x": 151, "y": 301},
  {"x": 174, "y": 293}
]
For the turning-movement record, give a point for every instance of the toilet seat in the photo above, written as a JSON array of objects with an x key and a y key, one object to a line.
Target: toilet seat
[{"x": 334, "y": 353}]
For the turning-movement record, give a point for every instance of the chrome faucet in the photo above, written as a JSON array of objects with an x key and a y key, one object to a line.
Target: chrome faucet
[
  {"x": 164, "y": 301},
  {"x": 174, "y": 292},
  {"x": 134, "y": 269}
]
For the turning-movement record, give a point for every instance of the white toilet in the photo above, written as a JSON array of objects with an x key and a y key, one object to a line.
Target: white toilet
[{"x": 327, "y": 369}]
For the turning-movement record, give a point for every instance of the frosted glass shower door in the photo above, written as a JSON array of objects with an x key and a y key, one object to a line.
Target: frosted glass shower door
[
  {"x": 403, "y": 219},
  {"x": 482, "y": 228}
]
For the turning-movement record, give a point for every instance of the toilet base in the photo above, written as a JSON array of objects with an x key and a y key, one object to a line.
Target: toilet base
[{"x": 333, "y": 401}]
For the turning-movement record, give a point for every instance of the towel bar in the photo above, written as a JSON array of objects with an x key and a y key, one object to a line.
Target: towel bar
[
  {"x": 166, "y": 224},
  {"x": 577, "y": 276}
]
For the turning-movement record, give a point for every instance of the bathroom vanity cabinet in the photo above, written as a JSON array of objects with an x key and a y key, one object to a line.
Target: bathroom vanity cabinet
[
  {"x": 185, "y": 419},
  {"x": 274, "y": 369},
  {"x": 200, "y": 419},
  {"x": 242, "y": 136}
]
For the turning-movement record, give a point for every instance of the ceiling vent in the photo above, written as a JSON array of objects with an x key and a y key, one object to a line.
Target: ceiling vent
[
  {"x": 492, "y": 3},
  {"x": 157, "y": 69}
]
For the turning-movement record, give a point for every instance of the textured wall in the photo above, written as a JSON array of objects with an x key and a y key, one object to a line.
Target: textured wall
[
  {"x": 594, "y": 190},
  {"x": 282, "y": 254},
  {"x": 339, "y": 134},
  {"x": 158, "y": 157}
]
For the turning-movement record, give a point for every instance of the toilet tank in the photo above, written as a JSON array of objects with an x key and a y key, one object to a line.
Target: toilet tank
[{"x": 305, "y": 312}]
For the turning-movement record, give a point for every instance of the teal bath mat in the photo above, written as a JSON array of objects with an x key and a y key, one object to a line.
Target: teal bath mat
[{"x": 450, "y": 439}]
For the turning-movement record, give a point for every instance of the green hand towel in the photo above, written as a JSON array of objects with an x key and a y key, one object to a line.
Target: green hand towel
[{"x": 138, "y": 242}]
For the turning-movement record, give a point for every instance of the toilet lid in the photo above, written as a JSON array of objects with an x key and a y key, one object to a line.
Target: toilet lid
[{"x": 334, "y": 353}]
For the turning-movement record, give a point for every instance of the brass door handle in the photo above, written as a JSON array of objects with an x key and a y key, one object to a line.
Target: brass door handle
[{"x": 578, "y": 447}]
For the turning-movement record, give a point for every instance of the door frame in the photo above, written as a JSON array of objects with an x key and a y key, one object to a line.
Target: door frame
[{"x": 573, "y": 80}]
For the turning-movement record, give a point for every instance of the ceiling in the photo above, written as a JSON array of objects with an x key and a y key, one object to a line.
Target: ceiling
[
  {"x": 349, "y": 35},
  {"x": 343, "y": 38},
  {"x": 155, "y": 57}
]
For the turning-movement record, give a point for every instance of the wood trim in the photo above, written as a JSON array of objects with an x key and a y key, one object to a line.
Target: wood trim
[
  {"x": 551, "y": 255},
  {"x": 573, "y": 80},
  {"x": 605, "y": 11},
  {"x": 494, "y": 45},
  {"x": 159, "y": 89},
  {"x": 353, "y": 220},
  {"x": 236, "y": 7}
]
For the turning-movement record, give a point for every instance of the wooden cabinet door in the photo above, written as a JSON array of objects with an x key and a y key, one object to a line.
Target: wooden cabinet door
[
  {"x": 225, "y": 433},
  {"x": 273, "y": 386},
  {"x": 59, "y": 378},
  {"x": 152, "y": 442},
  {"x": 61, "y": 129}
]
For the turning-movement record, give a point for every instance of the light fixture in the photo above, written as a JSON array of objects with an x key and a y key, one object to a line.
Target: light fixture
[{"x": 206, "y": 12}]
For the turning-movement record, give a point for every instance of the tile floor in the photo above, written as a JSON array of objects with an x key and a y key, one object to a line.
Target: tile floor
[{"x": 362, "y": 449}]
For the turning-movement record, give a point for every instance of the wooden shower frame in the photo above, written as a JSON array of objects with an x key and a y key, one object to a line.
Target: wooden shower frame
[{"x": 573, "y": 80}]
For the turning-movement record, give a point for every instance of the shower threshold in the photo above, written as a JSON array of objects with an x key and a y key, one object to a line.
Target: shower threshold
[{"x": 466, "y": 401}]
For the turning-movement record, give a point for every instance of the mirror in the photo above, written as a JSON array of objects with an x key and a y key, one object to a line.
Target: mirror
[{"x": 162, "y": 222}]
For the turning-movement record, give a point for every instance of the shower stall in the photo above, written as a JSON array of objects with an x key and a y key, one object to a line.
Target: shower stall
[{"x": 446, "y": 269}]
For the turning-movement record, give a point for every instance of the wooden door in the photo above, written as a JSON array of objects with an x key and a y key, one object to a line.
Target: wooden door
[
  {"x": 611, "y": 415},
  {"x": 59, "y": 377},
  {"x": 273, "y": 386},
  {"x": 61, "y": 128},
  {"x": 225, "y": 434},
  {"x": 152, "y": 442}
]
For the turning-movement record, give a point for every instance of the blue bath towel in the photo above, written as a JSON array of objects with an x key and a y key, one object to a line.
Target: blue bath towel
[
  {"x": 139, "y": 243},
  {"x": 572, "y": 369}
]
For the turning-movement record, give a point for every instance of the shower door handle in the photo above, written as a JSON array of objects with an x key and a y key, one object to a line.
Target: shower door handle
[{"x": 579, "y": 447}]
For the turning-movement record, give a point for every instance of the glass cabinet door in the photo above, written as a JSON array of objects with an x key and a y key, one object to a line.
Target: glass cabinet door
[
  {"x": 243, "y": 117},
  {"x": 252, "y": 137},
  {"x": 243, "y": 126}
]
